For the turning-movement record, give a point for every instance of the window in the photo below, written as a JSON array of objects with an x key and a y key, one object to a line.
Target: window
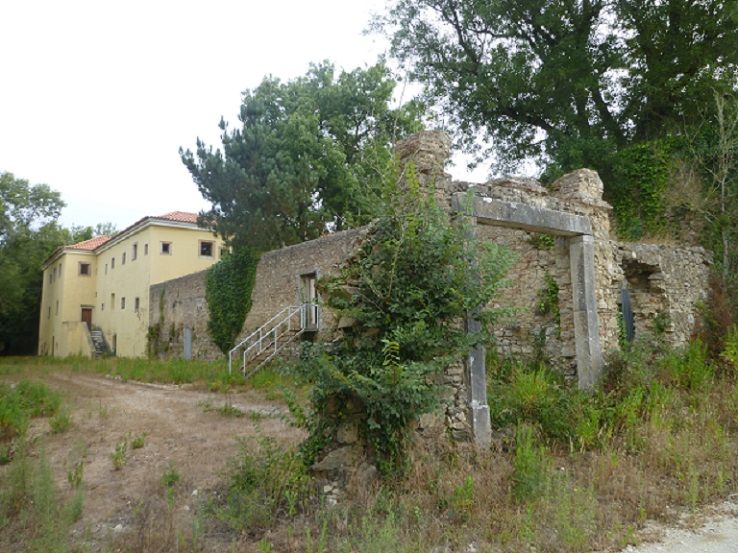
[
  {"x": 48, "y": 316},
  {"x": 123, "y": 302},
  {"x": 57, "y": 308},
  {"x": 112, "y": 263},
  {"x": 166, "y": 248},
  {"x": 84, "y": 269},
  {"x": 106, "y": 268},
  {"x": 112, "y": 301},
  {"x": 134, "y": 252},
  {"x": 50, "y": 281},
  {"x": 102, "y": 306},
  {"x": 206, "y": 249},
  {"x": 136, "y": 304},
  {"x": 123, "y": 259},
  {"x": 146, "y": 249}
]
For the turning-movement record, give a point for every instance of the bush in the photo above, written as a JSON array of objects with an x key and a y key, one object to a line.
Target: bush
[{"x": 407, "y": 291}]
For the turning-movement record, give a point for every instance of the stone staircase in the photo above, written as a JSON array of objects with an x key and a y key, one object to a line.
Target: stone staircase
[{"x": 99, "y": 343}]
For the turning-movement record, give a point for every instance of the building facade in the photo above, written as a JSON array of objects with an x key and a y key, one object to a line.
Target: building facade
[{"x": 101, "y": 286}]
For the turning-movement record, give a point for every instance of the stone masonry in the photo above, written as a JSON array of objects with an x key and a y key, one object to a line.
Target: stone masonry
[{"x": 561, "y": 238}]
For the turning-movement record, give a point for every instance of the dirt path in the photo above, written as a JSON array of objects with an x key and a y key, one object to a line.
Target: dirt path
[
  {"x": 179, "y": 432},
  {"x": 719, "y": 534}
]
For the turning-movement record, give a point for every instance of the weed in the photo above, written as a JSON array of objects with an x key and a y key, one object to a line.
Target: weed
[
  {"x": 23, "y": 401},
  {"x": 119, "y": 456},
  {"x": 138, "y": 442},
  {"x": 75, "y": 474},
  {"x": 170, "y": 477},
  {"x": 529, "y": 463},
  {"x": 61, "y": 422},
  {"x": 263, "y": 486}
]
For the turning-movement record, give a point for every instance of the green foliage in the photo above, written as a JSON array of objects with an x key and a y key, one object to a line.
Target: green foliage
[
  {"x": 264, "y": 485},
  {"x": 407, "y": 290},
  {"x": 559, "y": 81},
  {"x": 28, "y": 234},
  {"x": 530, "y": 465},
  {"x": 119, "y": 457},
  {"x": 228, "y": 292},
  {"x": 60, "y": 422},
  {"x": 138, "y": 442},
  {"x": 170, "y": 477},
  {"x": 730, "y": 351},
  {"x": 32, "y": 513},
  {"x": 548, "y": 297},
  {"x": 25, "y": 400},
  {"x": 640, "y": 179},
  {"x": 542, "y": 241},
  {"x": 310, "y": 151}
]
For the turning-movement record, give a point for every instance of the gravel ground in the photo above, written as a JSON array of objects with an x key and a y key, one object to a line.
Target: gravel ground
[{"x": 717, "y": 534}]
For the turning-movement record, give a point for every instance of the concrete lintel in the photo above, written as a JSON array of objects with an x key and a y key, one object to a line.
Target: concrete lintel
[
  {"x": 521, "y": 216},
  {"x": 586, "y": 321}
]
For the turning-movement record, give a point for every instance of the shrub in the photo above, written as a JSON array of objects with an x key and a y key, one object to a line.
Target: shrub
[
  {"x": 263, "y": 485},
  {"x": 407, "y": 291}
]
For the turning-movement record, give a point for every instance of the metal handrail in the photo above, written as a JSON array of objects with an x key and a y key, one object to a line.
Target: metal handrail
[{"x": 258, "y": 337}]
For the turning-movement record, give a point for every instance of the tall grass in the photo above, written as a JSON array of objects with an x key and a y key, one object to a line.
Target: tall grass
[{"x": 34, "y": 516}]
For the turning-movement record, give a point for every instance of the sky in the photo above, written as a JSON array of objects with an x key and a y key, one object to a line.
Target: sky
[{"x": 97, "y": 96}]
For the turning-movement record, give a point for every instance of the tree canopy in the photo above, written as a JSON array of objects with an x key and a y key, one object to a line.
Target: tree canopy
[
  {"x": 567, "y": 82},
  {"x": 309, "y": 154},
  {"x": 28, "y": 234}
]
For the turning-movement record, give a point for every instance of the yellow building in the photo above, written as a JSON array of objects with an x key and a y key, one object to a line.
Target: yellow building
[{"x": 99, "y": 288}]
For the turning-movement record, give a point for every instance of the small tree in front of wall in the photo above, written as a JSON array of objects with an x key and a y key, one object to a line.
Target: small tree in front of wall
[{"x": 416, "y": 277}]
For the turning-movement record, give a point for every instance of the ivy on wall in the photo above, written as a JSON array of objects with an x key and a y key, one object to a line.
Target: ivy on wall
[
  {"x": 228, "y": 288},
  {"x": 641, "y": 176}
]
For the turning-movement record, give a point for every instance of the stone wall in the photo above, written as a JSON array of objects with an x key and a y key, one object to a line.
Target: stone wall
[
  {"x": 667, "y": 284},
  {"x": 559, "y": 234},
  {"x": 176, "y": 304},
  {"x": 180, "y": 303}
]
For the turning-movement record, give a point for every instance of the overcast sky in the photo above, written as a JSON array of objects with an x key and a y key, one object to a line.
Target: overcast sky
[{"x": 97, "y": 96}]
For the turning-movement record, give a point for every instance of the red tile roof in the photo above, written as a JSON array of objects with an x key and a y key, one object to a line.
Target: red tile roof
[
  {"x": 178, "y": 216},
  {"x": 91, "y": 244}
]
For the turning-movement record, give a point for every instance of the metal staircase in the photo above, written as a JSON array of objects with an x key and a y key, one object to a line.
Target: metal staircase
[{"x": 274, "y": 337}]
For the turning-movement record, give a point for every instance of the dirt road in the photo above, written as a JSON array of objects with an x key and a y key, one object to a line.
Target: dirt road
[{"x": 182, "y": 429}]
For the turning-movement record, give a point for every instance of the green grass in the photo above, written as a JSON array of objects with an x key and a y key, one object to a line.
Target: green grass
[
  {"x": 25, "y": 400},
  {"x": 212, "y": 375}
]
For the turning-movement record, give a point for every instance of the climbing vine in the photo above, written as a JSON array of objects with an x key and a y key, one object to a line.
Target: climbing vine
[
  {"x": 641, "y": 177},
  {"x": 407, "y": 291},
  {"x": 228, "y": 288}
]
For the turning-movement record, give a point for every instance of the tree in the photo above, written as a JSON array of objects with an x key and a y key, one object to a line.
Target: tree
[
  {"x": 567, "y": 82},
  {"x": 309, "y": 155},
  {"x": 28, "y": 234}
]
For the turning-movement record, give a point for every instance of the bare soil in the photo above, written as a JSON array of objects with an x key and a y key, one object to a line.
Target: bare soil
[{"x": 179, "y": 431}]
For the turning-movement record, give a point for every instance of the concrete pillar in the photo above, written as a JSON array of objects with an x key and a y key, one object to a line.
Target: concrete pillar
[
  {"x": 476, "y": 379},
  {"x": 586, "y": 321}
]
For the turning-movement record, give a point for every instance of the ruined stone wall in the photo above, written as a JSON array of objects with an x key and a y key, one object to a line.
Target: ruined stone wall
[
  {"x": 531, "y": 327},
  {"x": 667, "y": 285},
  {"x": 181, "y": 302}
]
